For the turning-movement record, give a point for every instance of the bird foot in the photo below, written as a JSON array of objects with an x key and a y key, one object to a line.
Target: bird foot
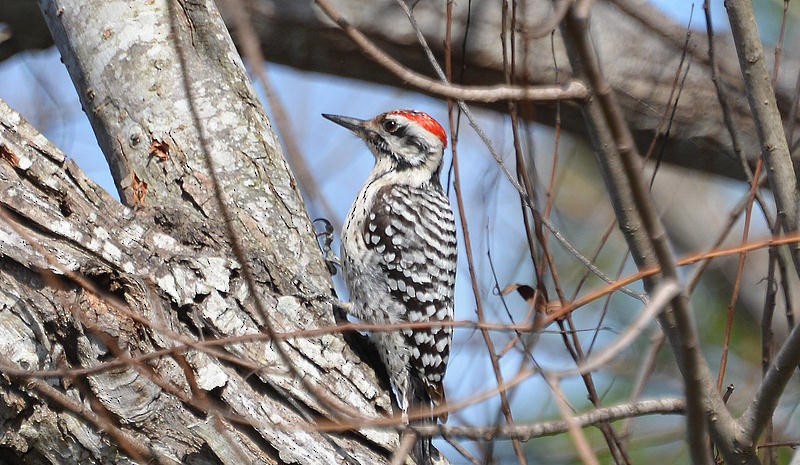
[{"x": 325, "y": 238}]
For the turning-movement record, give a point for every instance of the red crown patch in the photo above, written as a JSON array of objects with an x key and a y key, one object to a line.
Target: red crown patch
[{"x": 426, "y": 121}]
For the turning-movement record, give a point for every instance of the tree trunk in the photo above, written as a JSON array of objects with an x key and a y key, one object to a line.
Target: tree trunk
[{"x": 141, "y": 332}]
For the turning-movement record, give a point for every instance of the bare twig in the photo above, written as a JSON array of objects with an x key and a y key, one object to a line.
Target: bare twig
[
  {"x": 767, "y": 335},
  {"x": 779, "y": 46},
  {"x": 572, "y": 90},
  {"x": 758, "y": 413},
  {"x": 573, "y": 427},
  {"x": 738, "y": 280},
  {"x": 476, "y": 290},
  {"x": 645, "y": 370},
  {"x": 525, "y": 432},
  {"x": 622, "y": 165},
  {"x": 733, "y": 217},
  {"x": 473, "y": 122},
  {"x": 569, "y": 247},
  {"x": 523, "y": 175},
  {"x": 663, "y": 294},
  {"x": 525, "y": 193},
  {"x": 461, "y": 449}
]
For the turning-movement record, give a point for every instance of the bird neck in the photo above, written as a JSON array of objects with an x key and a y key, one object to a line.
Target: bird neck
[{"x": 386, "y": 171}]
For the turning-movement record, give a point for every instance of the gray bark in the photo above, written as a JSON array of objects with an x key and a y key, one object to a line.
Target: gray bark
[{"x": 88, "y": 282}]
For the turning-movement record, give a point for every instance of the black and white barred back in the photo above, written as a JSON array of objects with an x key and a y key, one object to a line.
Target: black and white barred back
[
  {"x": 399, "y": 251},
  {"x": 412, "y": 231}
]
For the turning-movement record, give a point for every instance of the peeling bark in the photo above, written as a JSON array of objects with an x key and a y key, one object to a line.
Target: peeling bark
[{"x": 131, "y": 295}]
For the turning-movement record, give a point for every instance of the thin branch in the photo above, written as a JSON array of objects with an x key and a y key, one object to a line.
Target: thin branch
[
  {"x": 506, "y": 408},
  {"x": 458, "y": 447},
  {"x": 623, "y": 260},
  {"x": 661, "y": 297},
  {"x": 738, "y": 280},
  {"x": 622, "y": 164},
  {"x": 767, "y": 336},
  {"x": 560, "y": 237},
  {"x": 572, "y": 90},
  {"x": 520, "y": 431},
  {"x": 779, "y": 46},
  {"x": 670, "y": 406},
  {"x": 473, "y": 122},
  {"x": 645, "y": 370},
  {"x": 759, "y": 412},
  {"x": 733, "y": 217},
  {"x": 520, "y": 166},
  {"x": 573, "y": 427},
  {"x": 646, "y": 273},
  {"x": 569, "y": 247}
]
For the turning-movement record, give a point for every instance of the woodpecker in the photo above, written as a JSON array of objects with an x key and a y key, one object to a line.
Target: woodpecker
[{"x": 398, "y": 253}]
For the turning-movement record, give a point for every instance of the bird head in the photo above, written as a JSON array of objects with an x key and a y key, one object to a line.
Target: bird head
[{"x": 400, "y": 140}]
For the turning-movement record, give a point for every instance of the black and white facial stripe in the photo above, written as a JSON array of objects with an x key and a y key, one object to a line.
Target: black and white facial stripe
[{"x": 404, "y": 142}]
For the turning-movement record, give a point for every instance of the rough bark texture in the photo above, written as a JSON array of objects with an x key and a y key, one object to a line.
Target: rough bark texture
[{"x": 87, "y": 281}]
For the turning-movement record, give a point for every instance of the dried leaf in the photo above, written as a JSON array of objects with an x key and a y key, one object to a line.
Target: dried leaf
[
  {"x": 533, "y": 298},
  {"x": 159, "y": 149},
  {"x": 139, "y": 188},
  {"x": 526, "y": 292},
  {"x": 9, "y": 156}
]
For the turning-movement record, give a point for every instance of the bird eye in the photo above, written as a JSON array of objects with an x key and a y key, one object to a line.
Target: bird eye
[{"x": 390, "y": 125}]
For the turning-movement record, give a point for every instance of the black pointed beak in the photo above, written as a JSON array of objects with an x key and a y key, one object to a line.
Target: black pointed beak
[{"x": 358, "y": 126}]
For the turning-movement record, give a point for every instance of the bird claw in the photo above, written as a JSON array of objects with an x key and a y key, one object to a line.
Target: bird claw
[{"x": 325, "y": 238}]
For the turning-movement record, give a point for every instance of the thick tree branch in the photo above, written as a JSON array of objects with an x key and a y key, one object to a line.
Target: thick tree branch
[
  {"x": 764, "y": 107},
  {"x": 646, "y": 237},
  {"x": 759, "y": 412},
  {"x": 631, "y": 36},
  {"x": 168, "y": 261}
]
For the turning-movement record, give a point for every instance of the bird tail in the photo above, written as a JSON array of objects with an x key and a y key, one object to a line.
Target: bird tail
[{"x": 423, "y": 452}]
